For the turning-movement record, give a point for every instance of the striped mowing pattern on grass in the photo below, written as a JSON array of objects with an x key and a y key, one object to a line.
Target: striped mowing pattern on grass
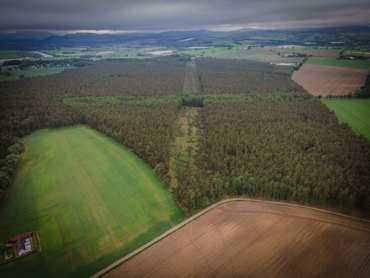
[
  {"x": 355, "y": 112},
  {"x": 334, "y": 62},
  {"x": 15, "y": 75},
  {"x": 91, "y": 200}
]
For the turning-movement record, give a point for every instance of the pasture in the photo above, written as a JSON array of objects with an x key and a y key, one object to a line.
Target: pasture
[
  {"x": 91, "y": 200},
  {"x": 252, "y": 239},
  {"x": 344, "y": 63},
  {"x": 124, "y": 53},
  {"x": 355, "y": 112},
  {"x": 16, "y": 74},
  {"x": 9, "y": 54},
  {"x": 329, "y": 80},
  {"x": 322, "y": 52},
  {"x": 68, "y": 52},
  {"x": 314, "y": 51},
  {"x": 261, "y": 54}
]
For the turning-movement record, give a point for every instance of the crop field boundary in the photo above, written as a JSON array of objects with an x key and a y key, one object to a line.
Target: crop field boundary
[{"x": 202, "y": 212}]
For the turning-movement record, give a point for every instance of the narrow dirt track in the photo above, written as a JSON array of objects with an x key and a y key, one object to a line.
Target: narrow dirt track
[{"x": 259, "y": 209}]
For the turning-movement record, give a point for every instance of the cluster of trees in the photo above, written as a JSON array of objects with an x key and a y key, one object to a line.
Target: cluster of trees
[
  {"x": 291, "y": 54},
  {"x": 284, "y": 150},
  {"x": 9, "y": 161},
  {"x": 235, "y": 77},
  {"x": 364, "y": 91},
  {"x": 48, "y": 63},
  {"x": 300, "y": 63}
]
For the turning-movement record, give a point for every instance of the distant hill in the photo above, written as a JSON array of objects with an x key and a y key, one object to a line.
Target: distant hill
[
  {"x": 24, "y": 35},
  {"x": 349, "y": 35}
]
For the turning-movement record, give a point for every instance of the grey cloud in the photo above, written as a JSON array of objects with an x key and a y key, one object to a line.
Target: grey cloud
[{"x": 181, "y": 14}]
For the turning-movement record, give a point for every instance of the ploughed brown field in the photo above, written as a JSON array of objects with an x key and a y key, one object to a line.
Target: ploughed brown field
[
  {"x": 325, "y": 80},
  {"x": 321, "y": 53},
  {"x": 252, "y": 239}
]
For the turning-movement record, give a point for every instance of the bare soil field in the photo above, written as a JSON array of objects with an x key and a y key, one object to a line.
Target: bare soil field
[
  {"x": 325, "y": 80},
  {"x": 10, "y": 59},
  {"x": 251, "y": 239},
  {"x": 261, "y": 54},
  {"x": 105, "y": 52},
  {"x": 321, "y": 53}
]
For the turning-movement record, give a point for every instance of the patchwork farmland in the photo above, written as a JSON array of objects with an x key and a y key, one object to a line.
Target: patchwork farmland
[
  {"x": 209, "y": 129},
  {"x": 253, "y": 239},
  {"x": 330, "y": 80},
  {"x": 90, "y": 199}
]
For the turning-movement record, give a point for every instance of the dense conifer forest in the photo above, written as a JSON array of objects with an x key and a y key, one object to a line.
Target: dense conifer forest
[
  {"x": 109, "y": 78},
  {"x": 283, "y": 150},
  {"x": 236, "y": 77},
  {"x": 260, "y": 134}
]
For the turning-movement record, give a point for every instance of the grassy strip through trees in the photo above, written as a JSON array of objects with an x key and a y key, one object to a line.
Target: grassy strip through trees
[
  {"x": 283, "y": 146},
  {"x": 189, "y": 99}
]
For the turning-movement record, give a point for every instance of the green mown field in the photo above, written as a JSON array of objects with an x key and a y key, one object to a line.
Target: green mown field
[
  {"x": 208, "y": 52},
  {"x": 15, "y": 74},
  {"x": 330, "y": 61},
  {"x": 91, "y": 200},
  {"x": 355, "y": 112},
  {"x": 9, "y": 54}
]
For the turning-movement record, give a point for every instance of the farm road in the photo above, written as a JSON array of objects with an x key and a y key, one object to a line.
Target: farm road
[{"x": 195, "y": 216}]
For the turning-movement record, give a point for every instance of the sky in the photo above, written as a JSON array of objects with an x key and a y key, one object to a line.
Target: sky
[{"x": 161, "y": 15}]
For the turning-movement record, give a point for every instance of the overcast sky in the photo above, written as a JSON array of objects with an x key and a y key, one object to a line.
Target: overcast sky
[{"x": 129, "y": 15}]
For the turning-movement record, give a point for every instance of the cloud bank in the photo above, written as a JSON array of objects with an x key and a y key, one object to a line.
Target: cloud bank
[{"x": 179, "y": 14}]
